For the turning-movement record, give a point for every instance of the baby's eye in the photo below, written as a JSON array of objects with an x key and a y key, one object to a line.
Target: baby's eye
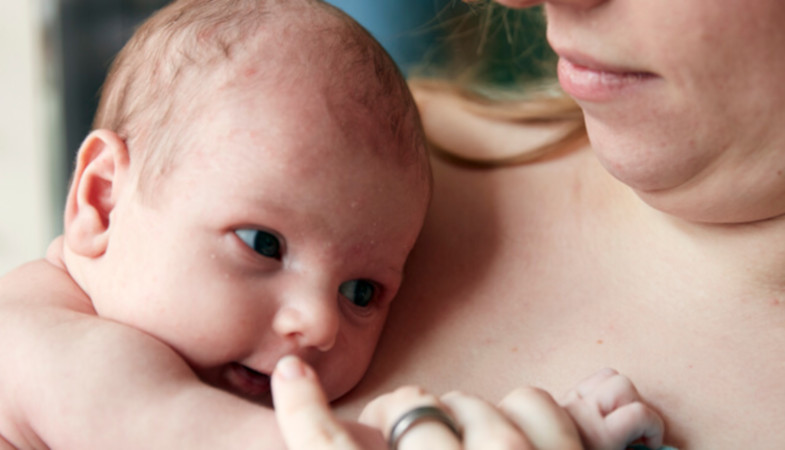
[
  {"x": 264, "y": 243},
  {"x": 359, "y": 292}
]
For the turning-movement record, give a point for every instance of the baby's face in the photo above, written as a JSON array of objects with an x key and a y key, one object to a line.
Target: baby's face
[{"x": 275, "y": 234}]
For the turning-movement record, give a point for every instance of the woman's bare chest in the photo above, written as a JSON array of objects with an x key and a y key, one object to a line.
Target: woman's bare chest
[
  {"x": 714, "y": 388},
  {"x": 546, "y": 293}
]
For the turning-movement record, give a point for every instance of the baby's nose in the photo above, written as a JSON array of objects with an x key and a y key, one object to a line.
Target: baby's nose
[{"x": 311, "y": 319}]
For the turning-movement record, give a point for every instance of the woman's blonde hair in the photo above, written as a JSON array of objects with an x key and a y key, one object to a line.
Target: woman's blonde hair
[{"x": 497, "y": 63}]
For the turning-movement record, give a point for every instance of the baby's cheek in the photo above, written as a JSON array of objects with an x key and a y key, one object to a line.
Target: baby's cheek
[{"x": 343, "y": 369}]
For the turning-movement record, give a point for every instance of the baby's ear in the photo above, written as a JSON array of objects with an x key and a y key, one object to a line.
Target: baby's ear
[{"x": 101, "y": 168}]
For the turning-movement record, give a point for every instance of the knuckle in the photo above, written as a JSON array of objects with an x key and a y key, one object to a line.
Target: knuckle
[
  {"x": 572, "y": 397},
  {"x": 390, "y": 405},
  {"x": 455, "y": 394},
  {"x": 413, "y": 394},
  {"x": 454, "y": 399},
  {"x": 638, "y": 410},
  {"x": 410, "y": 391},
  {"x": 624, "y": 384},
  {"x": 527, "y": 393}
]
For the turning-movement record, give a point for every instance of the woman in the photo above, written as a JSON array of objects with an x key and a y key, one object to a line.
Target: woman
[{"x": 659, "y": 251}]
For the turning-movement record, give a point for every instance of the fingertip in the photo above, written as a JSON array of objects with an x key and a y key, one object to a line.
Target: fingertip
[
  {"x": 294, "y": 382},
  {"x": 290, "y": 367},
  {"x": 302, "y": 410}
]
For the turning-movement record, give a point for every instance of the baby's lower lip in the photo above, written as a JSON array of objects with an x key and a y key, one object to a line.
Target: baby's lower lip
[{"x": 246, "y": 381}]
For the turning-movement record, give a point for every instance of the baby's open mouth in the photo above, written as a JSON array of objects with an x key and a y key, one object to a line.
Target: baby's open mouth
[{"x": 246, "y": 381}]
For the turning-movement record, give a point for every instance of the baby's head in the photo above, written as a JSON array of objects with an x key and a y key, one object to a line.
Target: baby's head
[
  {"x": 190, "y": 53},
  {"x": 255, "y": 182}
]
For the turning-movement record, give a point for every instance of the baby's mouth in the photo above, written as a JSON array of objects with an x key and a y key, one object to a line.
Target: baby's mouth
[{"x": 246, "y": 381}]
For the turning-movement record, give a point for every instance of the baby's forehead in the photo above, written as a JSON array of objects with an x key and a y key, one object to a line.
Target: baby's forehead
[
  {"x": 303, "y": 125},
  {"x": 244, "y": 154},
  {"x": 303, "y": 65},
  {"x": 335, "y": 95}
]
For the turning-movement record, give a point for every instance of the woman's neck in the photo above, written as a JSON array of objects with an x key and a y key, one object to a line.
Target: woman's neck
[{"x": 737, "y": 260}]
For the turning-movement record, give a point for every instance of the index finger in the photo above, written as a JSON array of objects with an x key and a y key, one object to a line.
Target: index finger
[{"x": 302, "y": 410}]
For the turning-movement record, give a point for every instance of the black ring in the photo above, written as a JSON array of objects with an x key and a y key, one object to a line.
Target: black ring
[{"x": 415, "y": 416}]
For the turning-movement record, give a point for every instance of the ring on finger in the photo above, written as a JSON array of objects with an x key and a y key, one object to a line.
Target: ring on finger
[{"x": 418, "y": 415}]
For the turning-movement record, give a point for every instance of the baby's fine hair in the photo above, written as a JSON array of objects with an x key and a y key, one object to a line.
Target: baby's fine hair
[{"x": 161, "y": 79}]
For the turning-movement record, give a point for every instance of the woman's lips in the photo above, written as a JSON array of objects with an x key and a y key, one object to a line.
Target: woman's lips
[
  {"x": 246, "y": 381},
  {"x": 588, "y": 81}
]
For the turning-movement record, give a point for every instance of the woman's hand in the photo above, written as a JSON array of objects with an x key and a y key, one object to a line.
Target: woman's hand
[{"x": 526, "y": 419}]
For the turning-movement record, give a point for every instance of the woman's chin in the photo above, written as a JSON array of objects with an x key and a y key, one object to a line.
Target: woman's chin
[{"x": 638, "y": 159}]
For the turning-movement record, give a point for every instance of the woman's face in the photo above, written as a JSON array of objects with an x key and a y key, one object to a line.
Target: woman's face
[{"x": 683, "y": 99}]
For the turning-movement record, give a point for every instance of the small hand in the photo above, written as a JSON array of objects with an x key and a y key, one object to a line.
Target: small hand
[{"x": 610, "y": 413}]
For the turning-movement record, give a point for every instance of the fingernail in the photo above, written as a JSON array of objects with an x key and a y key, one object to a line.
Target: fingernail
[{"x": 290, "y": 367}]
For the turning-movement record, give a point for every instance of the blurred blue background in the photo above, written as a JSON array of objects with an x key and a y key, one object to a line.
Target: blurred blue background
[{"x": 408, "y": 29}]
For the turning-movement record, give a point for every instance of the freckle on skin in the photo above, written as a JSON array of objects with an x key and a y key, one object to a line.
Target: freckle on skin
[
  {"x": 599, "y": 342},
  {"x": 488, "y": 341},
  {"x": 515, "y": 349},
  {"x": 250, "y": 72}
]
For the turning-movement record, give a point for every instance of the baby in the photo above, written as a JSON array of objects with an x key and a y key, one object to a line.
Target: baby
[
  {"x": 255, "y": 180},
  {"x": 254, "y": 183}
]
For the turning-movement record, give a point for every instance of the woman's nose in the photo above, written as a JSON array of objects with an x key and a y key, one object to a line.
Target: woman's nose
[{"x": 311, "y": 320}]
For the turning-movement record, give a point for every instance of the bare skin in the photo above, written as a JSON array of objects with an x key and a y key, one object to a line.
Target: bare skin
[
  {"x": 155, "y": 324},
  {"x": 530, "y": 275},
  {"x": 169, "y": 389},
  {"x": 93, "y": 359}
]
